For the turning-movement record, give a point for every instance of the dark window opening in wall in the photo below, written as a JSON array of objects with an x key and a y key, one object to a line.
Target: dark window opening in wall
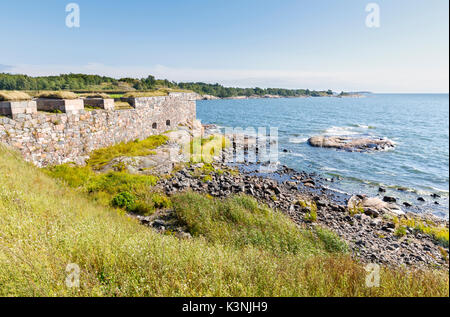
[
  {"x": 168, "y": 123},
  {"x": 155, "y": 125}
]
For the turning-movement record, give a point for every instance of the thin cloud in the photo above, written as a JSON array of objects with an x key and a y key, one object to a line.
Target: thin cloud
[{"x": 4, "y": 68}]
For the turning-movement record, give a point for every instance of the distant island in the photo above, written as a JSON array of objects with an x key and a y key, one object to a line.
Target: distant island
[
  {"x": 353, "y": 94},
  {"x": 83, "y": 83}
]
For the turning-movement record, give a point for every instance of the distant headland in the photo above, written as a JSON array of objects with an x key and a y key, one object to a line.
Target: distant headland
[{"x": 84, "y": 83}]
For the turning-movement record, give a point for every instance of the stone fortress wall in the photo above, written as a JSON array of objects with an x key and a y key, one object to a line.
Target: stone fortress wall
[{"x": 56, "y": 138}]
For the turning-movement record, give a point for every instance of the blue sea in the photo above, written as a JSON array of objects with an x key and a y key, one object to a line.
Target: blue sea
[{"x": 418, "y": 123}]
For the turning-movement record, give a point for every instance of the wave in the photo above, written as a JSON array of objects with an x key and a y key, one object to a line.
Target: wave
[
  {"x": 432, "y": 190},
  {"x": 340, "y": 131},
  {"x": 363, "y": 126},
  {"x": 332, "y": 169},
  {"x": 351, "y": 129},
  {"x": 414, "y": 170},
  {"x": 298, "y": 140},
  {"x": 294, "y": 154},
  {"x": 385, "y": 173},
  {"x": 337, "y": 190},
  {"x": 439, "y": 190},
  {"x": 427, "y": 191}
]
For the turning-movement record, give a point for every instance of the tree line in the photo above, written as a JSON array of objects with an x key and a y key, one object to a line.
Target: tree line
[
  {"x": 97, "y": 83},
  {"x": 224, "y": 92}
]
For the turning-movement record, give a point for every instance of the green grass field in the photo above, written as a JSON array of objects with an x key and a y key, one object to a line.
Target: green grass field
[{"x": 239, "y": 248}]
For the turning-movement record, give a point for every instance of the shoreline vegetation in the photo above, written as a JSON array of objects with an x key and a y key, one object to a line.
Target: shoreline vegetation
[
  {"x": 199, "y": 229},
  {"x": 117, "y": 88}
]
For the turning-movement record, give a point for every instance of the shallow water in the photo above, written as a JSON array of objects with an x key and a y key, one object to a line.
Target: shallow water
[{"x": 419, "y": 124}]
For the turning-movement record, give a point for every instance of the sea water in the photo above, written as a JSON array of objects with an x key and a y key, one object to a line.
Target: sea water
[{"x": 418, "y": 123}]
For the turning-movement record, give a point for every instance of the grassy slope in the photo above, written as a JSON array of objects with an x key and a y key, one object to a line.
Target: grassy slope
[{"x": 237, "y": 250}]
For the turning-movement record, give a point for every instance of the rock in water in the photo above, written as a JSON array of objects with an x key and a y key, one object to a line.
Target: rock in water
[
  {"x": 357, "y": 144},
  {"x": 389, "y": 199}
]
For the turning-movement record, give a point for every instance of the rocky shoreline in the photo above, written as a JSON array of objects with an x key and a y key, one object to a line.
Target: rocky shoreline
[
  {"x": 375, "y": 229},
  {"x": 371, "y": 234}
]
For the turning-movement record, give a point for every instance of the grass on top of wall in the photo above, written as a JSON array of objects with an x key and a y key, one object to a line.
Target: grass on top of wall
[
  {"x": 6, "y": 95},
  {"x": 137, "y": 94},
  {"x": 154, "y": 93},
  {"x": 46, "y": 225},
  {"x": 101, "y": 157},
  {"x": 96, "y": 95},
  {"x": 169, "y": 90},
  {"x": 57, "y": 95}
]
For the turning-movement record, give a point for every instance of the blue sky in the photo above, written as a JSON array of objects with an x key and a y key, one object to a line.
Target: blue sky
[{"x": 317, "y": 44}]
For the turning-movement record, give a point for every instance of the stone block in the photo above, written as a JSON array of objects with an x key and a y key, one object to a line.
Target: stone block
[
  {"x": 63, "y": 105},
  {"x": 14, "y": 108},
  {"x": 190, "y": 96},
  {"x": 107, "y": 104},
  {"x": 145, "y": 102}
]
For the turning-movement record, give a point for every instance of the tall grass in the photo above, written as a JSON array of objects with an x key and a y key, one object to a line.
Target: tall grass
[
  {"x": 57, "y": 95},
  {"x": 241, "y": 221},
  {"x": 440, "y": 233},
  {"x": 107, "y": 188},
  {"x": 45, "y": 225},
  {"x": 134, "y": 192}
]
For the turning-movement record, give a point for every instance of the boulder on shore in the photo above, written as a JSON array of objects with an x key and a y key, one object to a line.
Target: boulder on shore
[
  {"x": 373, "y": 204},
  {"x": 357, "y": 144}
]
